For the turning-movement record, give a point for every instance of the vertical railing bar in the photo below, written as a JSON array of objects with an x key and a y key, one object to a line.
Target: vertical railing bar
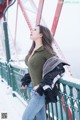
[
  {"x": 65, "y": 101},
  {"x": 1, "y": 71},
  {"x": 48, "y": 112},
  {"x": 79, "y": 102},
  {"x": 72, "y": 104},
  {"x": 60, "y": 103},
  {"x": 56, "y": 111},
  {"x": 0, "y": 68},
  {"x": 52, "y": 111}
]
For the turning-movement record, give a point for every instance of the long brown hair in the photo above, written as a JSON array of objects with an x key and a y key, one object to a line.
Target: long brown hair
[{"x": 47, "y": 40}]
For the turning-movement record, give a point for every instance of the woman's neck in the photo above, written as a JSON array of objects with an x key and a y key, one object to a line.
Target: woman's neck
[{"x": 38, "y": 44}]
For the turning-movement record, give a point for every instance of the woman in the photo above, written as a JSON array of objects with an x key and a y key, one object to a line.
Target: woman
[{"x": 40, "y": 51}]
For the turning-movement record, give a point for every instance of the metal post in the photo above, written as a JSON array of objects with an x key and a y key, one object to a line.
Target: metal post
[
  {"x": 7, "y": 47},
  {"x": 6, "y": 41},
  {"x": 6, "y": 33}
]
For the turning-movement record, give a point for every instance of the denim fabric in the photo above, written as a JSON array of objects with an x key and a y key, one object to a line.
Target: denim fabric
[{"x": 35, "y": 107}]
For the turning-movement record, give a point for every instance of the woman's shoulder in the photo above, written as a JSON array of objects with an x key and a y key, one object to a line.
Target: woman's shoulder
[{"x": 48, "y": 54}]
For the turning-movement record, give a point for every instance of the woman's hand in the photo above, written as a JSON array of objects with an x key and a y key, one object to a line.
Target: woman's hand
[{"x": 24, "y": 87}]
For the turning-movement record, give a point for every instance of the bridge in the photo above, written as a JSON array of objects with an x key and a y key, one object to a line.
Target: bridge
[{"x": 17, "y": 19}]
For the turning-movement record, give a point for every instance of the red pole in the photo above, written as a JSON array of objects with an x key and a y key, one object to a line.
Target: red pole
[
  {"x": 57, "y": 15},
  {"x": 69, "y": 111},
  {"x": 39, "y": 13},
  {"x": 25, "y": 15}
]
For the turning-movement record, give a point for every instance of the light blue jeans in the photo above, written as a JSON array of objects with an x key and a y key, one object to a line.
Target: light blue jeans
[{"x": 36, "y": 107}]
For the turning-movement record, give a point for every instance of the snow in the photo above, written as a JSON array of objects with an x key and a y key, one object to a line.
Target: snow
[
  {"x": 9, "y": 104},
  {"x": 15, "y": 106}
]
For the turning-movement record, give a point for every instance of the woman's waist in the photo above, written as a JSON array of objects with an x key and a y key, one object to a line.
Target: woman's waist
[{"x": 35, "y": 82}]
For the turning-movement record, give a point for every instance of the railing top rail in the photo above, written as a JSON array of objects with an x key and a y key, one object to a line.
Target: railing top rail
[{"x": 71, "y": 82}]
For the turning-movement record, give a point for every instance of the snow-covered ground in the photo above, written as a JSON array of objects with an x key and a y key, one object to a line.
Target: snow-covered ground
[
  {"x": 15, "y": 106},
  {"x": 10, "y": 105}
]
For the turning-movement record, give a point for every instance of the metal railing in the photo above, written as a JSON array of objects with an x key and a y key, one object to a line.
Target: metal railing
[
  {"x": 68, "y": 104},
  {"x": 3, "y": 71}
]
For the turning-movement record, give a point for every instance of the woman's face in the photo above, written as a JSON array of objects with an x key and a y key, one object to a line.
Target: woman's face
[{"x": 35, "y": 34}]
